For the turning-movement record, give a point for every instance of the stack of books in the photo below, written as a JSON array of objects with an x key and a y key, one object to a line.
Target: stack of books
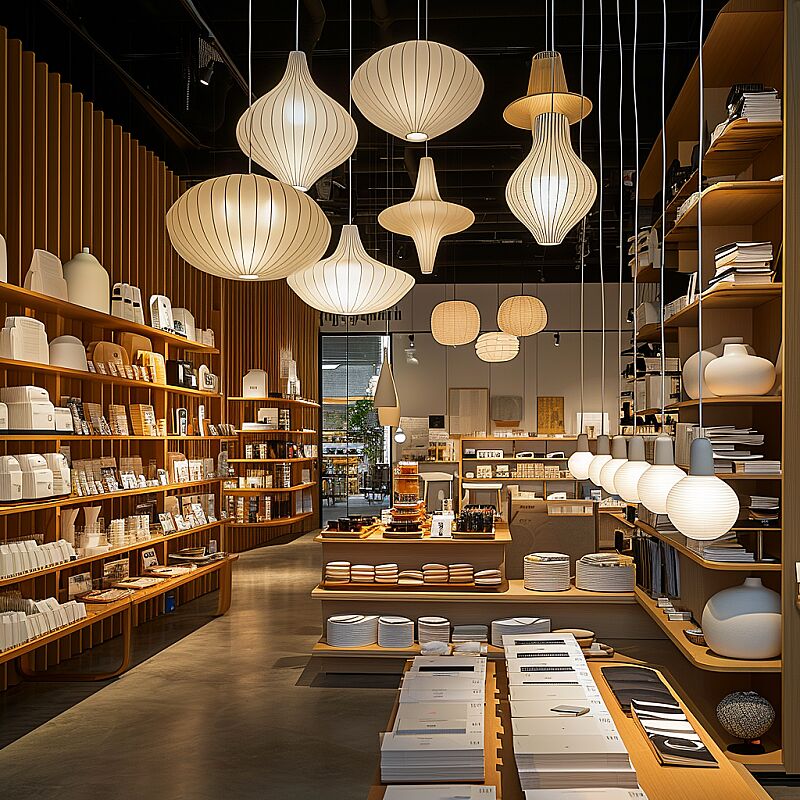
[
  {"x": 765, "y": 509},
  {"x": 761, "y": 467},
  {"x": 742, "y": 263},
  {"x": 726, "y": 549},
  {"x": 729, "y": 443},
  {"x": 754, "y": 102}
]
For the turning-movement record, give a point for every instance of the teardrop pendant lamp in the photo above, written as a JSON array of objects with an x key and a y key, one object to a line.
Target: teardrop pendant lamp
[
  {"x": 386, "y": 400},
  {"x": 295, "y": 131},
  {"x": 417, "y": 90},
  {"x": 455, "y": 322},
  {"x": 426, "y": 218},
  {"x": 522, "y": 315},
  {"x": 496, "y": 347},
  {"x": 350, "y": 281}
]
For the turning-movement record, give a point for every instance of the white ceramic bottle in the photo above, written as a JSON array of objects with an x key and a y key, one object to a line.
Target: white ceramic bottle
[
  {"x": 738, "y": 372},
  {"x": 88, "y": 284}
]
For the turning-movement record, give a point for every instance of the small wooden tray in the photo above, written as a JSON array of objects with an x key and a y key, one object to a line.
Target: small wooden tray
[{"x": 468, "y": 536}]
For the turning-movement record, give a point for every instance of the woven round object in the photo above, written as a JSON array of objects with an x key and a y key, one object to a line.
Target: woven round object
[
  {"x": 522, "y": 315},
  {"x": 455, "y": 322},
  {"x": 746, "y": 715},
  {"x": 496, "y": 346}
]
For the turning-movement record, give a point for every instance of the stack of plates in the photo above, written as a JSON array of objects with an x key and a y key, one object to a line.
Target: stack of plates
[
  {"x": 362, "y": 573},
  {"x": 352, "y": 630},
  {"x": 386, "y": 573},
  {"x": 605, "y": 572},
  {"x": 410, "y": 577},
  {"x": 470, "y": 633},
  {"x": 395, "y": 632},
  {"x": 337, "y": 572},
  {"x": 488, "y": 577},
  {"x": 433, "y": 629},
  {"x": 461, "y": 573},
  {"x": 547, "y": 572},
  {"x": 518, "y": 626},
  {"x": 434, "y": 573}
]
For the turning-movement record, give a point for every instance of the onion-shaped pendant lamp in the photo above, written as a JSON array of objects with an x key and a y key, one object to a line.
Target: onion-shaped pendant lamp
[
  {"x": 656, "y": 483},
  {"x": 247, "y": 227},
  {"x": 600, "y": 460},
  {"x": 426, "y": 218},
  {"x": 619, "y": 456},
  {"x": 455, "y": 322},
  {"x": 295, "y": 131},
  {"x": 626, "y": 480},
  {"x": 386, "y": 400},
  {"x": 417, "y": 90},
  {"x": 522, "y": 315},
  {"x": 350, "y": 281},
  {"x": 552, "y": 190},
  {"x": 580, "y": 460},
  {"x": 496, "y": 346},
  {"x": 701, "y": 506}
]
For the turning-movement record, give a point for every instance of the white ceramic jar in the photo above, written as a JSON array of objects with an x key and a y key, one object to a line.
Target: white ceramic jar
[
  {"x": 88, "y": 284},
  {"x": 690, "y": 372},
  {"x": 738, "y": 372}
]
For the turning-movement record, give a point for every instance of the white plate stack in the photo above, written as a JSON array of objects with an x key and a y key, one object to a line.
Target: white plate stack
[
  {"x": 362, "y": 573},
  {"x": 352, "y": 630},
  {"x": 395, "y": 632},
  {"x": 433, "y": 629},
  {"x": 546, "y": 572},
  {"x": 488, "y": 577},
  {"x": 386, "y": 573},
  {"x": 605, "y": 572},
  {"x": 337, "y": 572},
  {"x": 518, "y": 626}
]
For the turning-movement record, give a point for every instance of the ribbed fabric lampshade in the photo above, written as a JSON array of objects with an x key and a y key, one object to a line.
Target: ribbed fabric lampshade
[
  {"x": 580, "y": 460},
  {"x": 619, "y": 456},
  {"x": 497, "y": 346},
  {"x": 295, "y": 131},
  {"x": 350, "y": 281},
  {"x": 455, "y": 322},
  {"x": 600, "y": 460},
  {"x": 522, "y": 315},
  {"x": 247, "y": 227},
  {"x": 626, "y": 480},
  {"x": 552, "y": 190},
  {"x": 426, "y": 218},
  {"x": 417, "y": 90},
  {"x": 656, "y": 483}
]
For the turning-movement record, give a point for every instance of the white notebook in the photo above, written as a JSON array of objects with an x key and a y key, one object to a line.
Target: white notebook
[
  {"x": 572, "y": 695},
  {"x": 441, "y": 792}
]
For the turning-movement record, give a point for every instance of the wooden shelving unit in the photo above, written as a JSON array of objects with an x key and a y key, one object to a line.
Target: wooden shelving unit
[{"x": 723, "y": 296}]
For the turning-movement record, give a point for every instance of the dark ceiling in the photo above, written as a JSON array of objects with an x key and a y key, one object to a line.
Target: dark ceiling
[{"x": 138, "y": 61}]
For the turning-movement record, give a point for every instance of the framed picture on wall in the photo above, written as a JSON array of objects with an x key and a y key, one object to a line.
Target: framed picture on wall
[
  {"x": 468, "y": 411},
  {"x": 549, "y": 415}
]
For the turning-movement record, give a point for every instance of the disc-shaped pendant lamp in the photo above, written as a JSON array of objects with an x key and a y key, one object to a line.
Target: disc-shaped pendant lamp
[
  {"x": 417, "y": 90},
  {"x": 522, "y": 315},
  {"x": 497, "y": 346},
  {"x": 386, "y": 400},
  {"x": 296, "y": 131},
  {"x": 247, "y": 227},
  {"x": 455, "y": 322},
  {"x": 426, "y": 218},
  {"x": 350, "y": 281}
]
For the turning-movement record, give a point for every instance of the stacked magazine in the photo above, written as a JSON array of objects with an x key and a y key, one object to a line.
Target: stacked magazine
[{"x": 742, "y": 263}]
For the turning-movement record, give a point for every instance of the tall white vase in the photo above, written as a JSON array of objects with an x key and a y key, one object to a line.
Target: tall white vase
[
  {"x": 91, "y": 514},
  {"x": 88, "y": 284},
  {"x": 739, "y": 373},
  {"x": 68, "y": 516}
]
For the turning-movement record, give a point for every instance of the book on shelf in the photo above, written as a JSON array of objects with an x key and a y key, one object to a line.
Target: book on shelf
[
  {"x": 759, "y": 467},
  {"x": 726, "y": 549},
  {"x": 756, "y": 253}
]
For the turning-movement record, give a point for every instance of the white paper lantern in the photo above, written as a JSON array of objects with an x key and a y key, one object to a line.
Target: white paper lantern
[
  {"x": 619, "y": 456},
  {"x": 417, "y": 90},
  {"x": 296, "y": 131},
  {"x": 350, "y": 281},
  {"x": 522, "y": 315},
  {"x": 580, "y": 460},
  {"x": 496, "y": 346},
  {"x": 656, "y": 483},
  {"x": 627, "y": 478},
  {"x": 247, "y": 227},
  {"x": 600, "y": 460},
  {"x": 455, "y": 322}
]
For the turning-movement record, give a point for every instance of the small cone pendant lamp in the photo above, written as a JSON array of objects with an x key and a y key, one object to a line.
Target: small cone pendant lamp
[
  {"x": 386, "y": 400},
  {"x": 426, "y": 218}
]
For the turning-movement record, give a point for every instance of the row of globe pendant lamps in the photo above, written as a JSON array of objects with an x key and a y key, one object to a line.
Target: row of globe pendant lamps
[{"x": 699, "y": 505}]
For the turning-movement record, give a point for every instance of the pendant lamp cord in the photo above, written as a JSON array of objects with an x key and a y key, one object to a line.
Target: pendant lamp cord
[
  {"x": 600, "y": 195},
  {"x": 621, "y": 235},
  {"x": 699, "y": 287},
  {"x": 419, "y": 18},
  {"x": 663, "y": 212},
  {"x": 552, "y": 60},
  {"x": 350, "y": 112},
  {"x": 583, "y": 221},
  {"x": 297, "y": 26},
  {"x": 250, "y": 84},
  {"x": 546, "y": 25},
  {"x": 635, "y": 216}
]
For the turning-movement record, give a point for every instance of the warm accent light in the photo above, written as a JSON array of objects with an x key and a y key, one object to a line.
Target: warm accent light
[
  {"x": 386, "y": 400},
  {"x": 350, "y": 281},
  {"x": 655, "y": 484},
  {"x": 619, "y": 456},
  {"x": 496, "y": 346},
  {"x": 600, "y": 460},
  {"x": 426, "y": 218},
  {"x": 580, "y": 460},
  {"x": 296, "y": 131},
  {"x": 247, "y": 225},
  {"x": 522, "y": 315},
  {"x": 417, "y": 90},
  {"x": 627, "y": 478},
  {"x": 455, "y": 322}
]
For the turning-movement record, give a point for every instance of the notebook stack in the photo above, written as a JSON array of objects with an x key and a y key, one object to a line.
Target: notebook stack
[
  {"x": 726, "y": 549},
  {"x": 362, "y": 573},
  {"x": 729, "y": 444},
  {"x": 410, "y": 577},
  {"x": 438, "y": 731},
  {"x": 434, "y": 573},
  {"x": 742, "y": 263},
  {"x": 765, "y": 509},
  {"x": 337, "y": 572},
  {"x": 488, "y": 577},
  {"x": 754, "y": 102},
  {"x": 397, "y": 632},
  {"x": 564, "y": 737},
  {"x": 517, "y": 626},
  {"x": 433, "y": 629},
  {"x": 441, "y": 791},
  {"x": 546, "y": 572},
  {"x": 461, "y": 573},
  {"x": 762, "y": 466},
  {"x": 386, "y": 573},
  {"x": 352, "y": 630},
  {"x": 470, "y": 633},
  {"x": 605, "y": 572}
]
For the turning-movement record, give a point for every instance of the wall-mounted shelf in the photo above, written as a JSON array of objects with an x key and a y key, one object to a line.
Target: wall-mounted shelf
[
  {"x": 271, "y": 523},
  {"x": 742, "y": 400},
  {"x": 728, "y": 297},
  {"x": 269, "y": 460},
  {"x": 270, "y": 489},
  {"x": 275, "y": 430},
  {"x": 284, "y": 401}
]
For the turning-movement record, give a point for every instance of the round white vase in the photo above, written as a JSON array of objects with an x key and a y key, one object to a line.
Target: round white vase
[
  {"x": 739, "y": 373},
  {"x": 690, "y": 372},
  {"x": 744, "y": 621},
  {"x": 88, "y": 284}
]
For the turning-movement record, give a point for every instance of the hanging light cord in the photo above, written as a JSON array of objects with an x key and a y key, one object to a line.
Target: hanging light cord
[
  {"x": 297, "y": 27},
  {"x": 663, "y": 212},
  {"x": 621, "y": 235},
  {"x": 250, "y": 83},
  {"x": 700, "y": 228},
  {"x": 349, "y": 111},
  {"x": 583, "y": 222},
  {"x": 635, "y": 217},
  {"x": 600, "y": 194}
]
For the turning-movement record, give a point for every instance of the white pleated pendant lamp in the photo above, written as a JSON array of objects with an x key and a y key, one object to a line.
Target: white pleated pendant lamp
[
  {"x": 417, "y": 90},
  {"x": 426, "y": 218},
  {"x": 386, "y": 400},
  {"x": 656, "y": 483},
  {"x": 619, "y": 456},
  {"x": 600, "y": 460},
  {"x": 580, "y": 460},
  {"x": 295, "y": 131},
  {"x": 350, "y": 281},
  {"x": 455, "y": 322},
  {"x": 522, "y": 315},
  {"x": 626, "y": 480},
  {"x": 496, "y": 347}
]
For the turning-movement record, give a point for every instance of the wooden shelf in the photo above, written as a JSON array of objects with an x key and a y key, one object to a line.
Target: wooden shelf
[
  {"x": 724, "y": 296},
  {"x": 25, "y": 298},
  {"x": 698, "y": 655},
  {"x": 284, "y": 401},
  {"x": 322, "y": 648},
  {"x": 275, "y": 430},
  {"x": 652, "y": 333},
  {"x": 741, "y": 400},
  {"x": 501, "y": 536},
  {"x": 516, "y": 460},
  {"x": 269, "y": 460},
  {"x": 270, "y": 489},
  {"x": 739, "y": 476},
  {"x": 271, "y": 523},
  {"x": 514, "y": 480},
  {"x": 735, "y": 149}
]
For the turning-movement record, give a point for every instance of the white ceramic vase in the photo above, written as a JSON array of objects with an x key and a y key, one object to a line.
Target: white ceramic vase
[
  {"x": 68, "y": 516},
  {"x": 738, "y": 372},
  {"x": 88, "y": 284},
  {"x": 744, "y": 621},
  {"x": 91, "y": 514},
  {"x": 690, "y": 372}
]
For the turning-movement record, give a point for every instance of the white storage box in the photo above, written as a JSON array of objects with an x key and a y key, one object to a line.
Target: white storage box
[
  {"x": 37, "y": 477},
  {"x": 10, "y": 479}
]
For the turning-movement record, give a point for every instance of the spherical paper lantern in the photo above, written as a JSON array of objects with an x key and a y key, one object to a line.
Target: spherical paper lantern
[
  {"x": 600, "y": 460},
  {"x": 580, "y": 460},
  {"x": 296, "y": 131},
  {"x": 619, "y": 456},
  {"x": 247, "y": 227},
  {"x": 417, "y": 90},
  {"x": 496, "y": 346},
  {"x": 350, "y": 281},
  {"x": 656, "y": 482},
  {"x": 626, "y": 480},
  {"x": 522, "y": 315},
  {"x": 455, "y": 322}
]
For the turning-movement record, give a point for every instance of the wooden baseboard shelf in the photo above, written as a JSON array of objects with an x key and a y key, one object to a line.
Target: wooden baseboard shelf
[{"x": 271, "y": 523}]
